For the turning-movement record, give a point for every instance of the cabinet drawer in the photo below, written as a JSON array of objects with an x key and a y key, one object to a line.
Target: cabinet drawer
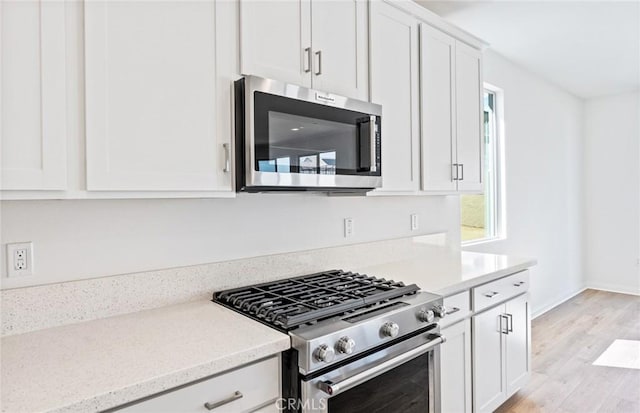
[
  {"x": 458, "y": 307},
  {"x": 500, "y": 290},
  {"x": 250, "y": 386}
]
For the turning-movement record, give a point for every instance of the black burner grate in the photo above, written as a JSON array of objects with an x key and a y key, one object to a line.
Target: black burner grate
[{"x": 295, "y": 301}]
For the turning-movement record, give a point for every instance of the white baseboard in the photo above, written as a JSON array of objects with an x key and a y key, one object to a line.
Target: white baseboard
[
  {"x": 592, "y": 286},
  {"x": 613, "y": 288},
  {"x": 557, "y": 303}
]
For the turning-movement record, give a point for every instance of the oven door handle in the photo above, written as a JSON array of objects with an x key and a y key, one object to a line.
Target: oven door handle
[{"x": 333, "y": 389}]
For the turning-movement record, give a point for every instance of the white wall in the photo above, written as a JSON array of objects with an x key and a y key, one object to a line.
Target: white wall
[
  {"x": 91, "y": 238},
  {"x": 612, "y": 192},
  {"x": 543, "y": 145}
]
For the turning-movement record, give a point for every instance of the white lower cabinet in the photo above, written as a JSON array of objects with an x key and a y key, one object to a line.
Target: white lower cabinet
[
  {"x": 501, "y": 348},
  {"x": 455, "y": 362},
  {"x": 517, "y": 347},
  {"x": 254, "y": 388}
]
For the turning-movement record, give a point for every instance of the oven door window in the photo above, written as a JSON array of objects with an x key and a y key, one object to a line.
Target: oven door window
[
  {"x": 403, "y": 389},
  {"x": 293, "y": 136}
]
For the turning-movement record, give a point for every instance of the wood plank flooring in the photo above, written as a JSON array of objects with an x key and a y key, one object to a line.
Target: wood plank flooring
[{"x": 565, "y": 343}]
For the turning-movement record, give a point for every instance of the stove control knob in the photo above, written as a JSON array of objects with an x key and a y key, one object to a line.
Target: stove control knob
[
  {"x": 440, "y": 311},
  {"x": 426, "y": 315},
  {"x": 390, "y": 329},
  {"x": 324, "y": 353},
  {"x": 345, "y": 345}
]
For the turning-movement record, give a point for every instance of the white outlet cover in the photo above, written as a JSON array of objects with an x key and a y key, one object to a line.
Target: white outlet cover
[
  {"x": 348, "y": 227},
  {"x": 12, "y": 250},
  {"x": 414, "y": 222}
]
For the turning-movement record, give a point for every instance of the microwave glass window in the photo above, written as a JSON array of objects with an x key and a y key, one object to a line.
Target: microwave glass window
[
  {"x": 310, "y": 138},
  {"x": 316, "y": 146}
]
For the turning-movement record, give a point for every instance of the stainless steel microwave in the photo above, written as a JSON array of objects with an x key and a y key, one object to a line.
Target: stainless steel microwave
[{"x": 291, "y": 138}]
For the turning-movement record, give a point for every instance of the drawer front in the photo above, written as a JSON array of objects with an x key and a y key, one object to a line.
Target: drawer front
[
  {"x": 244, "y": 389},
  {"x": 500, "y": 290},
  {"x": 458, "y": 307}
]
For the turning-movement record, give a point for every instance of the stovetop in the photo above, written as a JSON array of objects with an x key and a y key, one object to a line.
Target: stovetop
[{"x": 294, "y": 302}]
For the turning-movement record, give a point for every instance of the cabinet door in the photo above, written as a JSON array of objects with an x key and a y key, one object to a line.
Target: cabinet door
[
  {"x": 455, "y": 362},
  {"x": 468, "y": 83},
  {"x": 488, "y": 350},
  {"x": 151, "y": 113},
  {"x": 394, "y": 85},
  {"x": 437, "y": 59},
  {"x": 275, "y": 40},
  {"x": 32, "y": 87},
  {"x": 340, "y": 47},
  {"x": 518, "y": 342}
]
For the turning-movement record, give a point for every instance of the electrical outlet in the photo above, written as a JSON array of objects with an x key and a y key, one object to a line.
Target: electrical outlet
[
  {"x": 348, "y": 227},
  {"x": 414, "y": 222},
  {"x": 19, "y": 259}
]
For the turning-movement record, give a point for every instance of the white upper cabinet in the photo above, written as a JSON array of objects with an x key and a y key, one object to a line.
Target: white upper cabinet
[
  {"x": 152, "y": 118},
  {"x": 275, "y": 40},
  {"x": 32, "y": 87},
  {"x": 394, "y": 85},
  {"x": 313, "y": 43},
  {"x": 340, "y": 47},
  {"x": 437, "y": 54},
  {"x": 451, "y": 99},
  {"x": 469, "y": 117}
]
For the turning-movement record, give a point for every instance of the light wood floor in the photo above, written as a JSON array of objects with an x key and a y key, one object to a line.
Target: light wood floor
[{"x": 565, "y": 343}]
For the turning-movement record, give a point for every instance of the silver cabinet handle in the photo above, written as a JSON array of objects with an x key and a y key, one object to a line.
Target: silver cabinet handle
[
  {"x": 307, "y": 61},
  {"x": 453, "y": 310},
  {"x": 519, "y": 283},
  {"x": 214, "y": 405},
  {"x": 227, "y": 160},
  {"x": 491, "y": 294},
  {"x": 502, "y": 329},
  {"x": 333, "y": 389},
  {"x": 319, "y": 54},
  {"x": 509, "y": 323},
  {"x": 454, "y": 172},
  {"x": 461, "y": 172}
]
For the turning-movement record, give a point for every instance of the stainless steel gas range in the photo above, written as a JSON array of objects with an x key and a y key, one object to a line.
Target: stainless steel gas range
[{"x": 359, "y": 343}]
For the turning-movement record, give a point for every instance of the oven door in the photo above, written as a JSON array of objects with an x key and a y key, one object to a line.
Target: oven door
[
  {"x": 298, "y": 138},
  {"x": 402, "y": 378}
]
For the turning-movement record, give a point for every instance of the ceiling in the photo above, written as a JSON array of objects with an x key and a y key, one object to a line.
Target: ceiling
[{"x": 589, "y": 48}]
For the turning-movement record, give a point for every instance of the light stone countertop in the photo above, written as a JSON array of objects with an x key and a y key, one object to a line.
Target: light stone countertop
[
  {"x": 100, "y": 364},
  {"x": 447, "y": 272}
]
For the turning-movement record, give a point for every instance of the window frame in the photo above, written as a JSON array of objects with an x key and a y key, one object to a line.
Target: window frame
[{"x": 499, "y": 183}]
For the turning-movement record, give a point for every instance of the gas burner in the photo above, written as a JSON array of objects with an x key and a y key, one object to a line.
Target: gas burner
[{"x": 294, "y": 302}]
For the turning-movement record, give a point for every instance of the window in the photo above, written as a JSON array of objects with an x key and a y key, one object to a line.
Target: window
[{"x": 480, "y": 215}]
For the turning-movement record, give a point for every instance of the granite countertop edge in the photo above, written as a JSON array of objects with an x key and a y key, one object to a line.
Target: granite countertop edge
[{"x": 486, "y": 278}]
